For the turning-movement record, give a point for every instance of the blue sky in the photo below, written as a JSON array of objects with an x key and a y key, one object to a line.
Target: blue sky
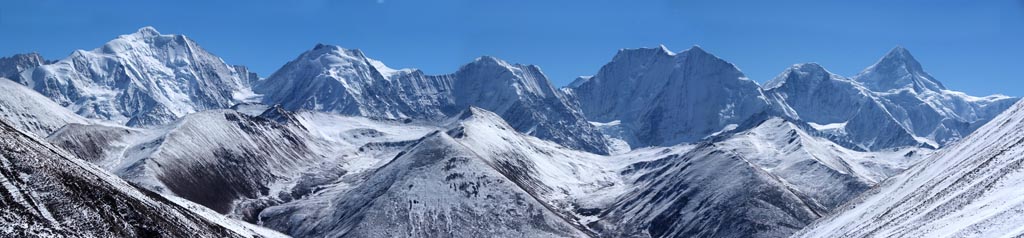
[{"x": 971, "y": 46}]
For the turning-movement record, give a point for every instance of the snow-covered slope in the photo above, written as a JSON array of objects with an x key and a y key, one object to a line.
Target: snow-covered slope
[
  {"x": 143, "y": 78},
  {"x": 45, "y": 192},
  {"x": 823, "y": 170},
  {"x": 333, "y": 79},
  {"x": 213, "y": 158},
  {"x": 641, "y": 193},
  {"x": 228, "y": 160},
  {"x": 890, "y": 104},
  {"x": 969, "y": 189},
  {"x": 29, "y": 111},
  {"x": 601, "y": 192},
  {"x": 666, "y": 98},
  {"x": 705, "y": 192},
  {"x": 437, "y": 188}
]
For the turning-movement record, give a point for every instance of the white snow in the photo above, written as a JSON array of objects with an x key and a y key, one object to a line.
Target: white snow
[{"x": 970, "y": 189}]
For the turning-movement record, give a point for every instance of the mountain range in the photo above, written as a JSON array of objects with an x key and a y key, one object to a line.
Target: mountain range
[{"x": 655, "y": 144}]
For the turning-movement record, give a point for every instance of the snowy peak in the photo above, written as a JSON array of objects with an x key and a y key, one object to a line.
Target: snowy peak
[
  {"x": 147, "y": 40},
  {"x": 897, "y": 70},
  {"x": 323, "y": 49},
  {"x": 806, "y": 73},
  {"x": 491, "y": 73},
  {"x": 475, "y": 116},
  {"x": 333, "y": 79},
  {"x": 338, "y": 61},
  {"x": 695, "y": 49},
  {"x": 332, "y": 55},
  {"x": 641, "y": 53},
  {"x": 49, "y": 193},
  {"x": 489, "y": 60},
  {"x": 666, "y": 99},
  {"x": 147, "y": 31},
  {"x": 141, "y": 79},
  {"x": 894, "y": 93},
  {"x": 476, "y": 113},
  {"x": 432, "y": 185},
  {"x": 971, "y": 189},
  {"x": 527, "y": 100}
]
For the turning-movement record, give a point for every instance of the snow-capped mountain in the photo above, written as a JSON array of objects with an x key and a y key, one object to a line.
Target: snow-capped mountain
[
  {"x": 890, "y": 104},
  {"x": 436, "y": 188},
  {"x": 144, "y": 78},
  {"x": 970, "y": 189},
  {"x": 48, "y": 193},
  {"x": 898, "y": 70},
  {"x": 30, "y": 111},
  {"x": 338, "y": 144},
  {"x": 333, "y": 79},
  {"x": 664, "y": 98},
  {"x": 11, "y": 67}
]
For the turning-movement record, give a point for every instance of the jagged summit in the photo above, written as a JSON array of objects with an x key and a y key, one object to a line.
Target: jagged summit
[
  {"x": 141, "y": 79},
  {"x": 898, "y": 69},
  {"x": 893, "y": 93},
  {"x": 331, "y": 79}
]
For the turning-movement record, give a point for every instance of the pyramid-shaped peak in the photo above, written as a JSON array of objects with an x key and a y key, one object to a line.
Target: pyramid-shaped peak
[
  {"x": 697, "y": 49},
  {"x": 901, "y": 55},
  {"x": 487, "y": 61},
  {"x": 898, "y": 69}
]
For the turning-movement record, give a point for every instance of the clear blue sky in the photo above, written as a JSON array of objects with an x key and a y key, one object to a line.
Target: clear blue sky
[{"x": 971, "y": 46}]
